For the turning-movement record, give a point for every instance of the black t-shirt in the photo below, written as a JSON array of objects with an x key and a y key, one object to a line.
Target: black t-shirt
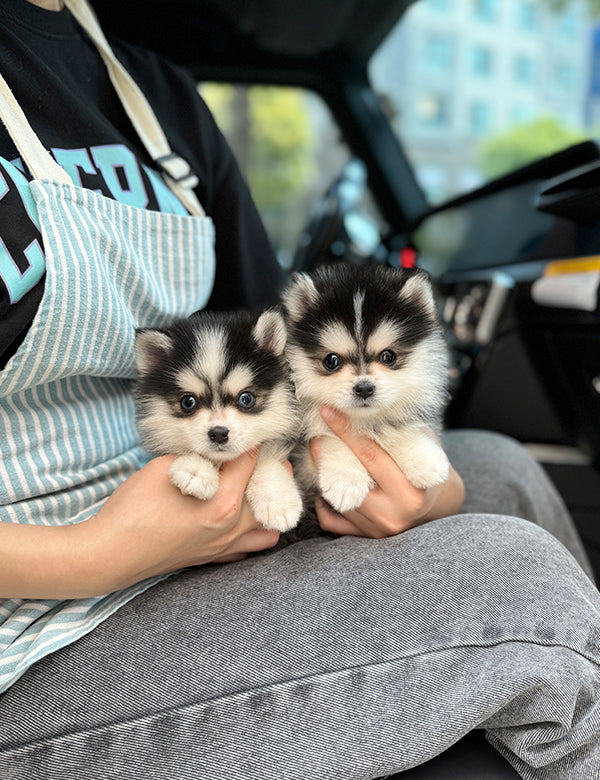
[{"x": 64, "y": 90}]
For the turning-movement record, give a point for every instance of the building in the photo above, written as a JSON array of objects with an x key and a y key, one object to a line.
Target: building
[{"x": 460, "y": 71}]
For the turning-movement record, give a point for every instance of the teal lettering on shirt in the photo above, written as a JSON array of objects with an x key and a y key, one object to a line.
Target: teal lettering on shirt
[
  {"x": 122, "y": 176},
  {"x": 166, "y": 199},
  {"x": 129, "y": 187},
  {"x": 19, "y": 282},
  {"x": 73, "y": 161}
]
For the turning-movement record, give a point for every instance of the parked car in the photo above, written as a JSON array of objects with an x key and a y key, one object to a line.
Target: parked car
[{"x": 394, "y": 106}]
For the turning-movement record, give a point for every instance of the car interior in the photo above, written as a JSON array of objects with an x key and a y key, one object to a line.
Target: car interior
[{"x": 514, "y": 257}]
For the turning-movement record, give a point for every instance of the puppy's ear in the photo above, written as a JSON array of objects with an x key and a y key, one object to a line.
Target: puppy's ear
[
  {"x": 269, "y": 331},
  {"x": 417, "y": 288},
  {"x": 299, "y": 296},
  {"x": 151, "y": 346}
]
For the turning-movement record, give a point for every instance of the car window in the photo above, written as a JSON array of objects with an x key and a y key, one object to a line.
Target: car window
[
  {"x": 289, "y": 149},
  {"x": 478, "y": 88}
]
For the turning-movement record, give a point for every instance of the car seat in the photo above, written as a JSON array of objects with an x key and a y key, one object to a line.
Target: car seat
[{"x": 472, "y": 758}]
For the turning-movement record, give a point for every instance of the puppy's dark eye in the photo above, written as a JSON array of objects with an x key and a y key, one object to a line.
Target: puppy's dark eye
[
  {"x": 246, "y": 400},
  {"x": 332, "y": 362},
  {"x": 188, "y": 403},
  {"x": 388, "y": 357}
]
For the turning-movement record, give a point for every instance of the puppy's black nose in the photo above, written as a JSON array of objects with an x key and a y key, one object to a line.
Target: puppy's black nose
[
  {"x": 219, "y": 434},
  {"x": 364, "y": 389}
]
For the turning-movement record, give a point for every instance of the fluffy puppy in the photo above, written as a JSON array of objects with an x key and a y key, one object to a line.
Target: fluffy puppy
[
  {"x": 366, "y": 341},
  {"x": 212, "y": 387}
]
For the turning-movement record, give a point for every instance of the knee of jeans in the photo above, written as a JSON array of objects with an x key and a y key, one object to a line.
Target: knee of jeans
[
  {"x": 480, "y": 442},
  {"x": 493, "y": 457},
  {"x": 500, "y": 542}
]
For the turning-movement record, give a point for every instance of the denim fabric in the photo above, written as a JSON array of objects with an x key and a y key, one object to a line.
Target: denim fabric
[
  {"x": 501, "y": 478},
  {"x": 342, "y": 660}
]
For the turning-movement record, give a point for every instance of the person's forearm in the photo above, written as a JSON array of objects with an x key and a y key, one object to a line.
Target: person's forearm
[
  {"x": 146, "y": 528},
  {"x": 53, "y": 562}
]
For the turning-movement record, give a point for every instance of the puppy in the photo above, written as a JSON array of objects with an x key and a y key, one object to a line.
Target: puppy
[
  {"x": 212, "y": 387},
  {"x": 366, "y": 341}
]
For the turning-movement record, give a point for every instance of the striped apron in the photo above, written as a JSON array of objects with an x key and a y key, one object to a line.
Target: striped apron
[{"x": 67, "y": 418}]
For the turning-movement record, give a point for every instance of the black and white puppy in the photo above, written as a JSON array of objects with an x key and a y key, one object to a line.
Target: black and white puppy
[
  {"x": 366, "y": 341},
  {"x": 216, "y": 385}
]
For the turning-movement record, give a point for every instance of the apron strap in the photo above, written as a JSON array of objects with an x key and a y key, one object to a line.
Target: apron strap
[
  {"x": 178, "y": 174},
  {"x": 39, "y": 161}
]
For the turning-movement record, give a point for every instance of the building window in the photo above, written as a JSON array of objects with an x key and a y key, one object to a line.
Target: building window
[
  {"x": 485, "y": 10},
  {"x": 439, "y": 52},
  {"x": 568, "y": 25},
  {"x": 527, "y": 15},
  {"x": 524, "y": 69},
  {"x": 565, "y": 76},
  {"x": 523, "y": 114},
  {"x": 480, "y": 118},
  {"x": 481, "y": 61},
  {"x": 432, "y": 110},
  {"x": 434, "y": 180},
  {"x": 438, "y": 5}
]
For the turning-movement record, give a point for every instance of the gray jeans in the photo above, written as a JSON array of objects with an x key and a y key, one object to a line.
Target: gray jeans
[{"x": 346, "y": 659}]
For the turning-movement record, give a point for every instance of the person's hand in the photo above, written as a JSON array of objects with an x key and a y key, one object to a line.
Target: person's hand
[
  {"x": 147, "y": 527},
  {"x": 155, "y": 529},
  {"x": 393, "y": 505}
]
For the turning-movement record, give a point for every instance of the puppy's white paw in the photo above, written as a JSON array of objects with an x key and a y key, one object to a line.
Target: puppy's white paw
[
  {"x": 276, "y": 510},
  {"x": 344, "y": 490},
  {"x": 275, "y": 515},
  {"x": 427, "y": 465},
  {"x": 274, "y": 498},
  {"x": 195, "y": 476}
]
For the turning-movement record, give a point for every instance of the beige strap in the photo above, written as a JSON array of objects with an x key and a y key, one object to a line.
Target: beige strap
[
  {"x": 39, "y": 161},
  {"x": 178, "y": 174}
]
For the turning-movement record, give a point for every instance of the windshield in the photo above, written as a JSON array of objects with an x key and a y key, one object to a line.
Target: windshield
[{"x": 477, "y": 88}]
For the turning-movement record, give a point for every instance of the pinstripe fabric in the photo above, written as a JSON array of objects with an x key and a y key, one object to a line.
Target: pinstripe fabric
[{"x": 67, "y": 425}]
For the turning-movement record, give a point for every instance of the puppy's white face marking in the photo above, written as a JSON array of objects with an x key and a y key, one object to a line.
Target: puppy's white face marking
[
  {"x": 385, "y": 335},
  {"x": 210, "y": 355},
  {"x": 358, "y": 302},
  {"x": 335, "y": 337},
  {"x": 190, "y": 382},
  {"x": 240, "y": 378}
]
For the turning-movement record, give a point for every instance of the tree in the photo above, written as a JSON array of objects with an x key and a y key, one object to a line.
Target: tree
[
  {"x": 269, "y": 131},
  {"x": 561, "y": 5},
  {"x": 524, "y": 143}
]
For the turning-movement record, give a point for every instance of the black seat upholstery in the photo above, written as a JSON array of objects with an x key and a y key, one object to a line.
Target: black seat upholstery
[{"x": 470, "y": 759}]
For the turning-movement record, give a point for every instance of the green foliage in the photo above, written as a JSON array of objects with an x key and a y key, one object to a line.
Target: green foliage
[
  {"x": 219, "y": 98},
  {"x": 561, "y": 5},
  {"x": 523, "y": 144},
  {"x": 269, "y": 131},
  {"x": 281, "y": 136}
]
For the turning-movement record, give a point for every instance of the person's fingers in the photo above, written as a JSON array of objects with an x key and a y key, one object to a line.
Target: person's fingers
[
  {"x": 400, "y": 504},
  {"x": 349, "y": 524},
  {"x": 381, "y": 466},
  {"x": 315, "y": 450},
  {"x": 230, "y": 510}
]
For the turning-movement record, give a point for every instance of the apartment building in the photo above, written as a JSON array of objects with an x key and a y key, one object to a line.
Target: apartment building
[{"x": 459, "y": 71}]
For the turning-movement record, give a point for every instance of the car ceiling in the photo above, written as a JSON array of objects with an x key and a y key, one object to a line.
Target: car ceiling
[{"x": 256, "y": 34}]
